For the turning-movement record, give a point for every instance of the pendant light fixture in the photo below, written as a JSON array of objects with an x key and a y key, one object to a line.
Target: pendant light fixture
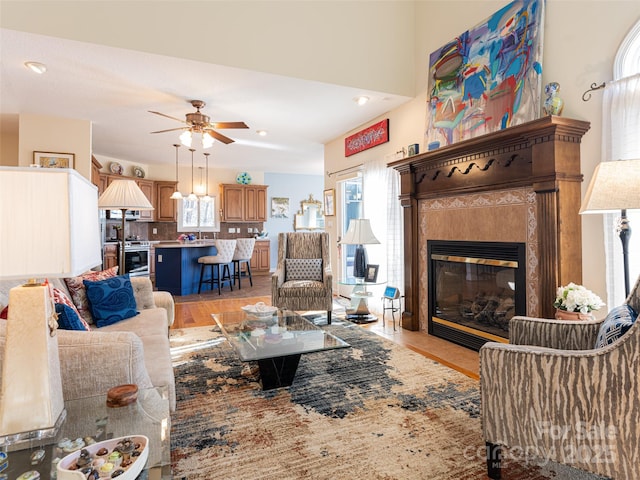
[
  {"x": 176, "y": 195},
  {"x": 206, "y": 197},
  {"x": 192, "y": 196}
]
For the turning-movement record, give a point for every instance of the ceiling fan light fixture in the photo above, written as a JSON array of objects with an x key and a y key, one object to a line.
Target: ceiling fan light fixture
[
  {"x": 361, "y": 100},
  {"x": 36, "y": 67},
  {"x": 207, "y": 140},
  {"x": 185, "y": 138}
]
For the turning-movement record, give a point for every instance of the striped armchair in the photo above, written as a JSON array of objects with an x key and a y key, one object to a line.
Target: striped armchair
[
  {"x": 303, "y": 278},
  {"x": 551, "y": 394}
]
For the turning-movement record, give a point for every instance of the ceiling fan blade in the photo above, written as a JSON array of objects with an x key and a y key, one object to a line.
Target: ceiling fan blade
[
  {"x": 228, "y": 125},
  {"x": 220, "y": 137},
  {"x": 168, "y": 116},
  {"x": 171, "y": 130}
]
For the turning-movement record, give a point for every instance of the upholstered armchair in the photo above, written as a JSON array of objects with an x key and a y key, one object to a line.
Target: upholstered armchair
[
  {"x": 303, "y": 278},
  {"x": 551, "y": 394}
]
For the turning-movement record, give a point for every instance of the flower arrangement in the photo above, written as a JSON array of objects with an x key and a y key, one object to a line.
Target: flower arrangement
[
  {"x": 576, "y": 298},
  {"x": 186, "y": 237}
]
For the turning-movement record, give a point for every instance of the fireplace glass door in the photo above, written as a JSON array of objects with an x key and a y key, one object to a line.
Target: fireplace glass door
[{"x": 475, "y": 288}]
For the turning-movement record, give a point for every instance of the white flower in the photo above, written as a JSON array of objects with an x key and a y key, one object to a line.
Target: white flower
[{"x": 576, "y": 298}]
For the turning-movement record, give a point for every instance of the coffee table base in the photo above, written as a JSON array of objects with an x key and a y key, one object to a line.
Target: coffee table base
[{"x": 278, "y": 372}]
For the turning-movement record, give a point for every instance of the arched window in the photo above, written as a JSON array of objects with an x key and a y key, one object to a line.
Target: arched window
[{"x": 621, "y": 141}]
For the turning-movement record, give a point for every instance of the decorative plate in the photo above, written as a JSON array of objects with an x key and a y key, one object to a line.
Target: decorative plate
[
  {"x": 138, "y": 172},
  {"x": 243, "y": 178},
  {"x": 116, "y": 168}
]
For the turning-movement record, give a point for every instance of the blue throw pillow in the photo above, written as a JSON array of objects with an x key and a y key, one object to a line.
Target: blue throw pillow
[
  {"x": 111, "y": 300},
  {"x": 615, "y": 325},
  {"x": 68, "y": 319}
]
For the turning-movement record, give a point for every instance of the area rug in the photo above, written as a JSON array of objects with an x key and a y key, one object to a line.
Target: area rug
[{"x": 376, "y": 410}]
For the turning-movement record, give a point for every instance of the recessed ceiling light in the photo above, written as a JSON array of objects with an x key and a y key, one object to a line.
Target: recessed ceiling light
[
  {"x": 361, "y": 100},
  {"x": 36, "y": 67},
  {"x": 262, "y": 133}
]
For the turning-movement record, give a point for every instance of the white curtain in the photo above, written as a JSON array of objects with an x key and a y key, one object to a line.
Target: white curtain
[
  {"x": 621, "y": 141},
  {"x": 381, "y": 187}
]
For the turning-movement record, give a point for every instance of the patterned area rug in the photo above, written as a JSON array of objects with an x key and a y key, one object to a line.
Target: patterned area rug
[{"x": 376, "y": 411}]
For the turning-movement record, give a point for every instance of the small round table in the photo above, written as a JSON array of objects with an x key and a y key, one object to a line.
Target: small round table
[{"x": 359, "y": 311}]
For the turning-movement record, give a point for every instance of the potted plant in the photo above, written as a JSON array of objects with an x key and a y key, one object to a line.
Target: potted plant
[{"x": 575, "y": 302}]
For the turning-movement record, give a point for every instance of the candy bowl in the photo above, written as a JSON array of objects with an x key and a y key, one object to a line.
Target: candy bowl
[
  {"x": 124, "y": 459},
  {"x": 260, "y": 310}
]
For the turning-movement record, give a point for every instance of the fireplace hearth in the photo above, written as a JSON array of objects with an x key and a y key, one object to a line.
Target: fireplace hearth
[{"x": 474, "y": 289}]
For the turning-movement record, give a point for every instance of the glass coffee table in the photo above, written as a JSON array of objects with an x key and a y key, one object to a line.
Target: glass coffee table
[
  {"x": 275, "y": 342},
  {"x": 90, "y": 417}
]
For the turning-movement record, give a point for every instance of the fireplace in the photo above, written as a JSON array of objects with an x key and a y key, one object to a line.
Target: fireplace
[{"x": 474, "y": 290}]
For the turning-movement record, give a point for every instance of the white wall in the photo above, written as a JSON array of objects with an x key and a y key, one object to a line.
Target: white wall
[{"x": 581, "y": 39}]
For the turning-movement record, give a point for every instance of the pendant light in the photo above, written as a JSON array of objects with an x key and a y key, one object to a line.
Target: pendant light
[
  {"x": 206, "y": 197},
  {"x": 192, "y": 196},
  {"x": 176, "y": 195}
]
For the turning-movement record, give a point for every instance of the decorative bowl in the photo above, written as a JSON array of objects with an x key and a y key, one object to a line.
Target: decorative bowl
[
  {"x": 130, "y": 472},
  {"x": 260, "y": 310}
]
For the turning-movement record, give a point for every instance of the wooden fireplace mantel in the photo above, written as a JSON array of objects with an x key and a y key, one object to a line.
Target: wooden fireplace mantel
[{"x": 543, "y": 154}]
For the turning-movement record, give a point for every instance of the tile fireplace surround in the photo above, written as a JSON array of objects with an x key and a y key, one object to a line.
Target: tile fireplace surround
[{"x": 521, "y": 184}]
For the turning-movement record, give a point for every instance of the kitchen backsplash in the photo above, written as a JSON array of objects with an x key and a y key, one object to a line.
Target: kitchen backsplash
[{"x": 168, "y": 230}]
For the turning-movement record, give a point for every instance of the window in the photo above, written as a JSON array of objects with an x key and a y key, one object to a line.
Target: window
[{"x": 198, "y": 215}]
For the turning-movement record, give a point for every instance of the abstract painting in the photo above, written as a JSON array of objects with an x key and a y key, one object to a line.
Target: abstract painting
[
  {"x": 488, "y": 78},
  {"x": 279, "y": 207}
]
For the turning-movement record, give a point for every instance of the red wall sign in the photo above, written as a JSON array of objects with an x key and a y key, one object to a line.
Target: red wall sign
[{"x": 367, "y": 138}]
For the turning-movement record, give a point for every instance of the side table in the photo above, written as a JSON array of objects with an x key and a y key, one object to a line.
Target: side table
[
  {"x": 90, "y": 417},
  {"x": 359, "y": 311}
]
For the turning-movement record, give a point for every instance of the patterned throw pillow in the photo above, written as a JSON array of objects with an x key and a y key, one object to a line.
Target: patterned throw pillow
[
  {"x": 303, "y": 269},
  {"x": 78, "y": 292},
  {"x": 68, "y": 318},
  {"x": 618, "y": 322},
  {"x": 111, "y": 300},
  {"x": 59, "y": 297}
]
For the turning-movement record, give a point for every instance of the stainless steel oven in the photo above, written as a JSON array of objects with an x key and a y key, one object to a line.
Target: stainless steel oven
[{"x": 136, "y": 258}]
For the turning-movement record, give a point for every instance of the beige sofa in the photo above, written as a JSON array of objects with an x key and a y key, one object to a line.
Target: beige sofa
[{"x": 135, "y": 350}]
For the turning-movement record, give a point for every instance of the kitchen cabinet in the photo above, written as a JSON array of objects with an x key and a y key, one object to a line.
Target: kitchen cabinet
[
  {"x": 166, "y": 208},
  {"x": 243, "y": 203},
  {"x": 261, "y": 259},
  {"x": 147, "y": 188},
  {"x": 95, "y": 173},
  {"x": 110, "y": 258}
]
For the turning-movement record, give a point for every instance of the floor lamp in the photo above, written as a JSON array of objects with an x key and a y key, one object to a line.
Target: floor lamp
[
  {"x": 50, "y": 227},
  {"x": 123, "y": 195},
  {"x": 359, "y": 233},
  {"x": 613, "y": 188}
]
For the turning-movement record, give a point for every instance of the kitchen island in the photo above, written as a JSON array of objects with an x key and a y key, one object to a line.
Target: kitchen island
[{"x": 177, "y": 267}]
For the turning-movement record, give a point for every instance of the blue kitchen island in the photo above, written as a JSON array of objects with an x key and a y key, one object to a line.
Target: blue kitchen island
[{"x": 177, "y": 267}]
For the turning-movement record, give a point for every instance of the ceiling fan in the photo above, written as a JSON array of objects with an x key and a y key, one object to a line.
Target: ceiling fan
[{"x": 198, "y": 122}]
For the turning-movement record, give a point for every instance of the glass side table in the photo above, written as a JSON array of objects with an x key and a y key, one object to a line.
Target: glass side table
[
  {"x": 359, "y": 311},
  {"x": 90, "y": 417}
]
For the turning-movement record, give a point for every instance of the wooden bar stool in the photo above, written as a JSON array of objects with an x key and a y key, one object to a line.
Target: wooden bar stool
[
  {"x": 224, "y": 257},
  {"x": 242, "y": 254}
]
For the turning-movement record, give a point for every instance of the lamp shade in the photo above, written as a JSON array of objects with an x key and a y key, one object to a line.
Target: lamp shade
[
  {"x": 49, "y": 220},
  {"x": 613, "y": 187},
  {"x": 359, "y": 233},
  {"x": 124, "y": 194}
]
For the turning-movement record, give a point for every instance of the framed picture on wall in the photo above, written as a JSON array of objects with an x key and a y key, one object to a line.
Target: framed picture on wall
[
  {"x": 53, "y": 159},
  {"x": 279, "y": 207},
  {"x": 329, "y": 202}
]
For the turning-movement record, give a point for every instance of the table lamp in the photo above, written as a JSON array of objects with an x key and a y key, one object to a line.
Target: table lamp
[
  {"x": 613, "y": 187},
  {"x": 123, "y": 195},
  {"x": 49, "y": 218},
  {"x": 359, "y": 233}
]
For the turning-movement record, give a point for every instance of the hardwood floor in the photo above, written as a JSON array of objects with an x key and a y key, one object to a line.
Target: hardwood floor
[{"x": 196, "y": 310}]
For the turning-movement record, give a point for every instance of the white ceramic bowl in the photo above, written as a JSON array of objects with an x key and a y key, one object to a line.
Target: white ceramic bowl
[
  {"x": 130, "y": 473},
  {"x": 260, "y": 310}
]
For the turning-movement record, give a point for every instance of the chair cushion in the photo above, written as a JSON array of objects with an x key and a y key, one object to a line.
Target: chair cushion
[
  {"x": 78, "y": 292},
  {"x": 303, "y": 288},
  {"x": 111, "y": 300},
  {"x": 615, "y": 325},
  {"x": 303, "y": 269}
]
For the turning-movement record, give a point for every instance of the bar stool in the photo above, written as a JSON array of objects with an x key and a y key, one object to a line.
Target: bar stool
[
  {"x": 224, "y": 257},
  {"x": 242, "y": 254}
]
